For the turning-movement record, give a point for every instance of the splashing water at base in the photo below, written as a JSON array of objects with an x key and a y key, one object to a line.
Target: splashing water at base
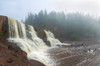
[
  {"x": 33, "y": 45},
  {"x": 53, "y": 41},
  {"x": 25, "y": 37}
]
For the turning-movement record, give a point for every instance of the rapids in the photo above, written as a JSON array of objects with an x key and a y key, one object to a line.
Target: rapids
[{"x": 25, "y": 37}]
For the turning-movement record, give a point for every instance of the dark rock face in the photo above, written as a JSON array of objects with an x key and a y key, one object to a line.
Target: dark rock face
[
  {"x": 12, "y": 58},
  {"x": 35, "y": 63},
  {"x": 10, "y": 53},
  {"x": 42, "y": 35},
  {"x": 3, "y": 27}
]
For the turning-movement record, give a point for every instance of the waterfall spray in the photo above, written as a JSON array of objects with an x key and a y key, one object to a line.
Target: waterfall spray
[
  {"x": 34, "y": 48},
  {"x": 53, "y": 41},
  {"x": 27, "y": 39}
]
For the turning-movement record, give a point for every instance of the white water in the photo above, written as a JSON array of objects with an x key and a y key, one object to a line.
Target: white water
[
  {"x": 13, "y": 31},
  {"x": 35, "y": 47},
  {"x": 35, "y": 38},
  {"x": 27, "y": 39},
  {"x": 53, "y": 41}
]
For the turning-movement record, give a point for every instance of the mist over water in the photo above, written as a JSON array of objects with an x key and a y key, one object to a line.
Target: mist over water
[
  {"x": 52, "y": 39},
  {"x": 58, "y": 54},
  {"x": 26, "y": 38},
  {"x": 33, "y": 45},
  {"x": 43, "y": 22}
]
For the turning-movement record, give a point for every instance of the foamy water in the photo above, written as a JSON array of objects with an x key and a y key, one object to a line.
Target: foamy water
[{"x": 27, "y": 39}]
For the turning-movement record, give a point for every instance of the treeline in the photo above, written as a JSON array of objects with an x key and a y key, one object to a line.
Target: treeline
[{"x": 71, "y": 25}]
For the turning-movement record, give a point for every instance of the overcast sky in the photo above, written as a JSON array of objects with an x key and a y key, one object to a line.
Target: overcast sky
[{"x": 18, "y": 9}]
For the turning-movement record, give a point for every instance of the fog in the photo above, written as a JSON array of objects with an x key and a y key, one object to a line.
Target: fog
[{"x": 18, "y": 9}]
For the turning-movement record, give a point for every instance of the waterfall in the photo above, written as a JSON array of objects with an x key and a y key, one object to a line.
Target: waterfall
[
  {"x": 21, "y": 30},
  {"x": 35, "y": 38},
  {"x": 34, "y": 46},
  {"x": 25, "y": 37},
  {"x": 53, "y": 41},
  {"x": 13, "y": 31}
]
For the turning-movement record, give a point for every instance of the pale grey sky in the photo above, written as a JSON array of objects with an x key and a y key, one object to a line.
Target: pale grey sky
[{"x": 18, "y": 9}]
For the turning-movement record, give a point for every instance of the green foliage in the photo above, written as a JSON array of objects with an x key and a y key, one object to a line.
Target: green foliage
[
  {"x": 74, "y": 36},
  {"x": 87, "y": 34},
  {"x": 73, "y": 25},
  {"x": 1, "y": 34},
  {"x": 19, "y": 61}
]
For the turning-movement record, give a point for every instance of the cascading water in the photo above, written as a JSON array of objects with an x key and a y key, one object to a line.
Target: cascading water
[
  {"x": 35, "y": 38},
  {"x": 34, "y": 47},
  {"x": 13, "y": 31},
  {"x": 51, "y": 38},
  {"x": 26, "y": 38}
]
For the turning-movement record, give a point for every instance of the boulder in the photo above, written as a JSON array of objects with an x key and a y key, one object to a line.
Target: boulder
[{"x": 35, "y": 63}]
